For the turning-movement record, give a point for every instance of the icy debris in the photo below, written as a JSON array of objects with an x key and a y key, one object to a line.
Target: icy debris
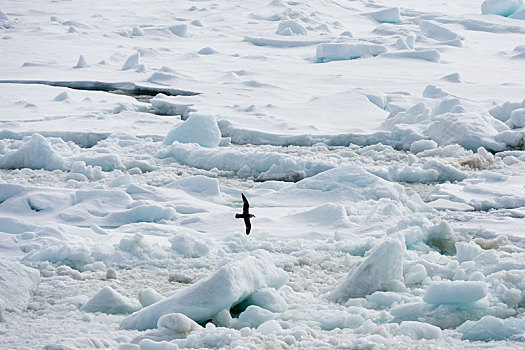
[
  {"x": 81, "y": 63},
  {"x": 178, "y": 323},
  {"x": 290, "y": 27},
  {"x": 18, "y": 284},
  {"x": 455, "y": 292},
  {"x": 148, "y": 296},
  {"x": 180, "y": 30},
  {"x": 199, "y": 186},
  {"x": 109, "y": 301},
  {"x": 132, "y": 62},
  {"x": 390, "y": 15},
  {"x": 442, "y": 238},
  {"x": 380, "y": 271},
  {"x": 495, "y": 243},
  {"x": 490, "y": 328},
  {"x": 520, "y": 14},
  {"x": 500, "y": 7},
  {"x": 334, "y": 52},
  {"x": 230, "y": 285},
  {"x": 35, "y": 153},
  {"x": 162, "y": 78},
  {"x": 281, "y": 43},
  {"x": 269, "y": 327},
  {"x": 68, "y": 271},
  {"x": 418, "y": 330},
  {"x": 198, "y": 128}
]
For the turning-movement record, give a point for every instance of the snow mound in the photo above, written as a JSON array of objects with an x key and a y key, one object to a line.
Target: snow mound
[
  {"x": 455, "y": 292},
  {"x": 517, "y": 118},
  {"x": 335, "y": 52},
  {"x": 229, "y": 285},
  {"x": 390, "y": 15},
  {"x": 290, "y": 27},
  {"x": 36, "y": 153},
  {"x": 109, "y": 301},
  {"x": 280, "y": 42},
  {"x": 500, "y": 7},
  {"x": 180, "y": 30},
  {"x": 18, "y": 284},
  {"x": 198, "y": 128},
  {"x": 381, "y": 270},
  {"x": 189, "y": 246},
  {"x": 490, "y": 328},
  {"x": 422, "y": 145},
  {"x": 418, "y": 330},
  {"x": 345, "y": 184},
  {"x": 268, "y": 299},
  {"x": 141, "y": 213},
  {"x": 255, "y": 316}
]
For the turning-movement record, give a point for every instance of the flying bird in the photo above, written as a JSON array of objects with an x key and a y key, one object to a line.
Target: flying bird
[{"x": 245, "y": 214}]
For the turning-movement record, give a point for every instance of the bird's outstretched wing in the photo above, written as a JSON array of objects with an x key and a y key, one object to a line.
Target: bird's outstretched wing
[
  {"x": 248, "y": 225},
  {"x": 246, "y": 206}
]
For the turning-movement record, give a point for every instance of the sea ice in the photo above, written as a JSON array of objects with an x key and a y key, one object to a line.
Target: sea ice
[
  {"x": 500, "y": 7},
  {"x": 18, "y": 284},
  {"x": 334, "y": 52}
]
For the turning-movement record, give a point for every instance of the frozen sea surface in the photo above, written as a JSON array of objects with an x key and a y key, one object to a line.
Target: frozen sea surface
[{"x": 380, "y": 145}]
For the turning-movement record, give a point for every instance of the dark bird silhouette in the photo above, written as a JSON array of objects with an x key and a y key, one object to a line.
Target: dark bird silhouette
[{"x": 245, "y": 214}]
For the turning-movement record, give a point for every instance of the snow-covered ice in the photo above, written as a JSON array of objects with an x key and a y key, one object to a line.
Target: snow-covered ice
[{"x": 380, "y": 145}]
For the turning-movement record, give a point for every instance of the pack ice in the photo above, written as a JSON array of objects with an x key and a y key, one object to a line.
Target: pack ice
[{"x": 380, "y": 146}]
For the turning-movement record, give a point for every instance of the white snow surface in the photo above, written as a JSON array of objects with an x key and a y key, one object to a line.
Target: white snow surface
[{"x": 380, "y": 146}]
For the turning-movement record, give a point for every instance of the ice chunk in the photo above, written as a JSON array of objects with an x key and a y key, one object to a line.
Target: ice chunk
[
  {"x": 269, "y": 299},
  {"x": 437, "y": 31},
  {"x": 255, "y": 316},
  {"x": 207, "y": 51},
  {"x": 520, "y": 14},
  {"x": 334, "y": 52},
  {"x": 148, "y": 296},
  {"x": 178, "y": 323},
  {"x": 376, "y": 273},
  {"x": 199, "y": 186},
  {"x": 109, "y": 301},
  {"x": 500, "y": 7},
  {"x": 290, "y": 27},
  {"x": 452, "y": 77},
  {"x": 36, "y": 153},
  {"x": 517, "y": 118},
  {"x": 3, "y": 16},
  {"x": 179, "y": 30},
  {"x": 131, "y": 62},
  {"x": 467, "y": 251},
  {"x": 490, "y": 328},
  {"x": 418, "y": 330},
  {"x": 141, "y": 213},
  {"x": 416, "y": 274},
  {"x": 18, "y": 284},
  {"x": 455, "y": 292},
  {"x": 422, "y": 145},
  {"x": 198, "y": 128},
  {"x": 269, "y": 327},
  {"x": 82, "y": 63},
  {"x": 390, "y": 15},
  {"x": 229, "y": 285}
]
